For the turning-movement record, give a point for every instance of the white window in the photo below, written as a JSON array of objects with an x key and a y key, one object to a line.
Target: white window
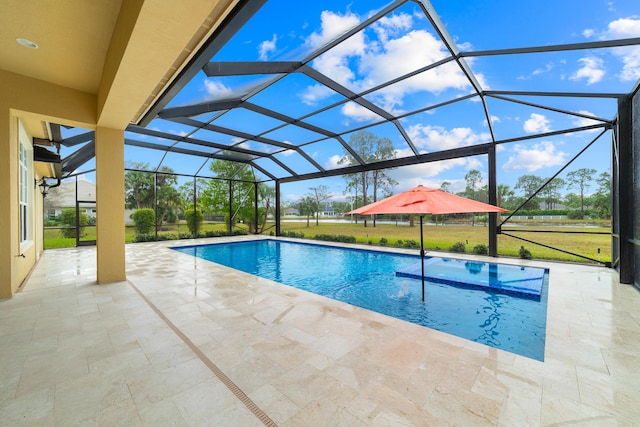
[
  {"x": 25, "y": 182},
  {"x": 25, "y": 232}
]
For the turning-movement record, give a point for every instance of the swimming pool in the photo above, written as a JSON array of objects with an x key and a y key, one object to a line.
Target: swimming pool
[{"x": 367, "y": 279}]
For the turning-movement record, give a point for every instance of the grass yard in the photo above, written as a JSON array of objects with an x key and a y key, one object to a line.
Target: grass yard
[
  {"x": 444, "y": 236},
  {"x": 440, "y": 237}
]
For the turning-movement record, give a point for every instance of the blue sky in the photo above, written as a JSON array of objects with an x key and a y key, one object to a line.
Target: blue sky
[{"x": 404, "y": 41}]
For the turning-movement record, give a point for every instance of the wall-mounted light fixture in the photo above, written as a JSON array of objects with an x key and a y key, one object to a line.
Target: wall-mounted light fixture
[{"x": 44, "y": 187}]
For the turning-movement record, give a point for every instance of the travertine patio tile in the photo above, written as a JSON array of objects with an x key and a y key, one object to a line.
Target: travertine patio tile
[{"x": 303, "y": 359}]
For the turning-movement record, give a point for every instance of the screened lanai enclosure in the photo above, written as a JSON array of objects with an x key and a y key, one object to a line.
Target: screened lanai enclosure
[{"x": 267, "y": 110}]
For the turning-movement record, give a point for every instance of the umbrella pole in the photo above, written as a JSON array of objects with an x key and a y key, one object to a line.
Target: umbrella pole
[{"x": 422, "y": 256}]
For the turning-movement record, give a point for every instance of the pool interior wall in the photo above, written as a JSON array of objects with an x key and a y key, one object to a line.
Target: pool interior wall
[{"x": 367, "y": 278}]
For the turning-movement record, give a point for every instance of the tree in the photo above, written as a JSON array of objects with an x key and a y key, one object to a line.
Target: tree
[
  {"x": 370, "y": 149},
  {"x": 153, "y": 189},
  {"x": 601, "y": 200},
  {"x": 267, "y": 193},
  {"x": 138, "y": 186},
  {"x": 552, "y": 193},
  {"x": 307, "y": 207},
  {"x": 572, "y": 200},
  {"x": 168, "y": 199},
  {"x": 445, "y": 186},
  {"x": 473, "y": 179},
  {"x": 505, "y": 193},
  {"x": 319, "y": 194},
  {"x": 581, "y": 179},
  {"x": 186, "y": 193},
  {"x": 341, "y": 207},
  {"x": 215, "y": 195},
  {"x": 529, "y": 184}
]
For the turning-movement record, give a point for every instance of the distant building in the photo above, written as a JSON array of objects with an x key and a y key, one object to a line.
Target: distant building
[
  {"x": 64, "y": 197},
  {"x": 291, "y": 212}
]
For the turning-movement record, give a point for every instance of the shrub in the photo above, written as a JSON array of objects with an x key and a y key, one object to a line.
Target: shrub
[
  {"x": 194, "y": 219},
  {"x": 411, "y": 244},
  {"x": 144, "y": 238},
  {"x": 383, "y": 241},
  {"x": 335, "y": 238},
  {"x": 215, "y": 233},
  {"x": 457, "y": 247},
  {"x": 68, "y": 218},
  {"x": 575, "y": 214},
  {"x": 145, "y": 220},
  {"x": 524, "y": 253},
  {"x": 480, "y": 249},
  {"x": 293, "y": 234}
]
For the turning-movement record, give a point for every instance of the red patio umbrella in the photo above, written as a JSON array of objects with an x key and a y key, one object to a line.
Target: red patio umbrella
[{"x": 422, "y": 200}]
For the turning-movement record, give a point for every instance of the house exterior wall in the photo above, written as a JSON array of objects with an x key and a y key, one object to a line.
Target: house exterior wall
[{"x": 22, "y": 97}]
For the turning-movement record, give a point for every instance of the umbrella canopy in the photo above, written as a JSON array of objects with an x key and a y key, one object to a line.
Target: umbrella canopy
[{"x": 422, "y": 200}]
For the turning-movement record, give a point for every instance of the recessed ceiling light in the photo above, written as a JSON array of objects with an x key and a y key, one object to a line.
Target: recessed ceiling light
[{"x": 26, "y": 43}]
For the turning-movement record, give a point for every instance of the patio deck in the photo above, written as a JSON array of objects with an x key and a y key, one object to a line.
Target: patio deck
[{"x": 186, "y": 342}]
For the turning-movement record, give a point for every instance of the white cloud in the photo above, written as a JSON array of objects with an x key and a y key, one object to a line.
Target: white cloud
[
  {"x": 630, "y": 56},
  {"x": 267, "y": 47},
  {"x": 408, "y": 53},
  {"x": 588, "y": 33},
  {"x": 360, "y": 63},
  {"x": 335, "y": 63},
  {"x": 541, "y": 155},
  {"x": 312, "y": 94},
  {"x": 334, "y": 162},
  {"x": 436, "y": 138},
  {"x": 583, "y": 121},
  {"x": 536, "y": 123},
  {"x": 592, "y": 70},
  {"x": 217, "y": 90},
  {"x": 550, "y": 66},
  {"x": 473, "y": 163},
  {"x": 358, "y": 113},
  {"x": 424, "y": 174},
  {"x": 332, "y": 26},
  {"x": 494, "y": 119},
  {"x": 287, "y": 152}
]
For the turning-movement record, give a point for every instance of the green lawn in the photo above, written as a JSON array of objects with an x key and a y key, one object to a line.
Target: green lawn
[
  {"x": 435, "y": 237},
  {"x": 443, "y": 236}
]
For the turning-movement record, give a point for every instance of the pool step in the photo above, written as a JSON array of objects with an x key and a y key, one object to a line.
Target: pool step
[{"x": 508, "y": 279}]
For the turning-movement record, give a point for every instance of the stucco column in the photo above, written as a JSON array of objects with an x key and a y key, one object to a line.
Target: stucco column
[
  {"x": 110, "y": 205},
  {"x": 8, "y": 203}
]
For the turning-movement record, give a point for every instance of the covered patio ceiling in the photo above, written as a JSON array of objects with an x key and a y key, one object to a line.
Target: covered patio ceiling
[{"x": 289, "y": 112}]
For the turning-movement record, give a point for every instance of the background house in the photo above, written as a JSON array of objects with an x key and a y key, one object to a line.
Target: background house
[{"x": 64, "y": 197}]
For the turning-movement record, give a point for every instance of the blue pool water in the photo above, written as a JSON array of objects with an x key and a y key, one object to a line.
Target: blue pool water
[{"x": 368, "y": 279}]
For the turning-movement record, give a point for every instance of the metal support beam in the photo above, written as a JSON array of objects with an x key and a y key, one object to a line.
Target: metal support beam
[
  {"x": 79, "y": 157},
  {"x": 277, "y": 214},
  {"x": 230, "y": 208},
  {"x": 625, "y": 194},
  {"x": 473, "y": 150},
  {"x": 493, "y": 200},
  {"x": 79, "y": 139},
  {"x": 555, "y": 48},
  {"x": 255, "y": 207},
  {"x": 250, "y": 68}
]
